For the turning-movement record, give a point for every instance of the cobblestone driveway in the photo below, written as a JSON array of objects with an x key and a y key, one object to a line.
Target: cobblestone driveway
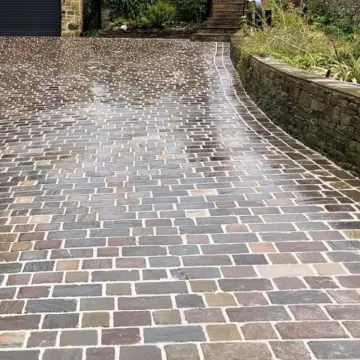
[{"x": 146, "y": 204}]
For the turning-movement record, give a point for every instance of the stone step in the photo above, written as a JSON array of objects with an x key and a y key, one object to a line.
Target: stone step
[
  {"x": 227, "y": 7},
  {"x": 200, "y": 36},
  {"x": 218, "y": 29},
  {"x": 212, "y": 22}
]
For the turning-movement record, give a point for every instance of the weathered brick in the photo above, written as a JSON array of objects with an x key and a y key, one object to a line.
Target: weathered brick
[
  {"x": 11, "y": 307},
  {"x": 144, "y": 303},
  {"x": 167, "y": 317},
  {"x": 118, "y": 289},
  {"x": 12, "y": 339},
  {"x": 24, "y": 322},
  {"x": 345, "y": 349},
  {"x": 258, "y": 313},
  {"x": 182, "y": 352},
  {"x": 173, "y": 334},
  {"x": 299, "y": 297},
  {"x": 258, "y": 331},
  {"x": 50, "y": 305},
  {"x": 238, "y": 350},
  {"x": 120, "y": 336},
  {"x": 60, "y": 321},
  {"x": 20, "y": 355},
  {"x": 132, "y": 318},
  {"x": 165, "y": 287},
  {"x": 115, "y": 275},
  {"x": 33, "y": 292},
  {"x": 63, "y": 354},
  {"x": 77, "y": 290},
  {"x": 204, "y": 316},
  {"x": 245, "y": 284},
  {"x": 307, "y": 312},
  {"x": 42, "y": 339},
  {"x": 310, "y": 330},
  {"x": 100, "y": 353},
  {"x": 344, "y": 312},
  {"x": 290, "y": 350},
  {"x": 95, "y": 319},
  {"x": 101, "y": 303},
  {"x": 189, "y": 301},
  {"x": 140, "y": 352},
  {"x": 228, "y": 332},
  {"x": 78, "y": 337},
  {"x": 353, "y": 327}
]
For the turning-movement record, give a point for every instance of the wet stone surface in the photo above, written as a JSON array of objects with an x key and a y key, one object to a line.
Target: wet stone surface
[{"x": 149, "y": 208}]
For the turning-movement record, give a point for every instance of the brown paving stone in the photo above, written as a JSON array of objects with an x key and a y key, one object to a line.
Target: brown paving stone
[
  {"x": 258, "y": 331},
  {"x": 11, "y": 307},
  {"x": 353, "y": 327},
  {"x": 106, "y": 353},
  {"x": 220, "y": 299},
  {"x": 120, "y": 336},
  {"x": 307, "y": 312},
  {"x": 140, "y": 352},
  {"x": 167, "y": 317},
  {"x": 223, "y": 332},
  {"x": 182, "y": 352},
  {"x": 95, "y": 319},
  {"x": 290, "y": 350},
  {"x": 203, "y": 286},
  {"x": 226, "y": 351},
  {"x": 310, "y": 330},
  {"x": 42, "y": 339},
  {"x": 11, "y": 339},
  {"x": 78, "y": 337},
  {"x": 67, "y": 265}
]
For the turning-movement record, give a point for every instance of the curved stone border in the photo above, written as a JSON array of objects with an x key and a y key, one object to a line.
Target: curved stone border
[{"x": 323, "y": 113}]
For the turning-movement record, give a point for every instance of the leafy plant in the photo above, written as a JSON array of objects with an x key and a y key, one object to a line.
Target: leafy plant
[
  {"x": 144, "y": 22},
  {"x": 160, "y": 14},
  {"x": 290, "y": 38},
  {"x": 192, "y": 9},
  {"x": 121, "y": 21},
  {"x": 347, "y": 71},
  {"x": 130, "y": 9}
]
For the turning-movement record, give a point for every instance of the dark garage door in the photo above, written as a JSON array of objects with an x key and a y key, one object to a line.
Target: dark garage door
[{"x": 30, "y": 17}]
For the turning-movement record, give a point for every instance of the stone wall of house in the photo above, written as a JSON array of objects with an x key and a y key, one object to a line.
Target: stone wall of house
[
  {"x": 323, "y": 113},
  {"x": 72, "y": 17},
  {"x": 336, "y": 7}
]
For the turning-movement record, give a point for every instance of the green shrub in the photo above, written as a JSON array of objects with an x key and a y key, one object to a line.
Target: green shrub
[
  {"x": 192, "y": 9},
  {"x": 160, "y": 14},
  {"x": 341, "y": 25},
  {"x": 144, "y": 22},
  {"x": 121, "y": 21},
  {"x": 290, "y": 39},
  {"x": 130, "y": 9}
]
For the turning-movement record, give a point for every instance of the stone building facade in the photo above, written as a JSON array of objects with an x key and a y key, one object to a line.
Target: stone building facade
[
  {"x": 336, "y": 7},
  {"x": 72, "y": 17}
]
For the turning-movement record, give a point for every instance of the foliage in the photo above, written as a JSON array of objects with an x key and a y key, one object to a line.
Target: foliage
[
  {"x": 160, "y": 13},
  {"x": 192, "y": 9},
  {"x": 341, "y": 26},
  {"x": 289, "y": 39},
  {"x": 121, "y": 21},
  {"x": 292, "y": 40},
  {"x": 130, "y": 9}
]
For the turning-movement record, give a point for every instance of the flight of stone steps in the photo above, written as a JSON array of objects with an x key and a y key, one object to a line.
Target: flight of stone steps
[{"x": 223, "y": 22}]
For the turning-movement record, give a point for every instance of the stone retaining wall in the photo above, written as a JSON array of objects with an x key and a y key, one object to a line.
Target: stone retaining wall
[{"x": 324, "y": 114}]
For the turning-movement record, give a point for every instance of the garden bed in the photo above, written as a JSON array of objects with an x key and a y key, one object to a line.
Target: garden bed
[{"x": 180, "y": 32}]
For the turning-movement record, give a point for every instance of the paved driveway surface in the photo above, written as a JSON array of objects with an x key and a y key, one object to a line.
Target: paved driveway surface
[{"x": 147, "y": 210}]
